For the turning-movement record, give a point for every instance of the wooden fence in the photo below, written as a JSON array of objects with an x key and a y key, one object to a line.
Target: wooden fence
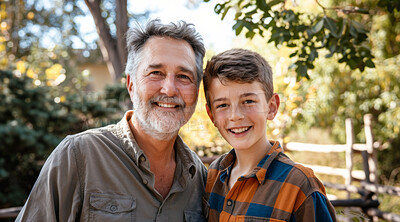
[{"x": 368, "y": 178}]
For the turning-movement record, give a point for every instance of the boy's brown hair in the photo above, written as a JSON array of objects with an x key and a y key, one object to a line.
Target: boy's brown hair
[{"x": 239, "y": 65}]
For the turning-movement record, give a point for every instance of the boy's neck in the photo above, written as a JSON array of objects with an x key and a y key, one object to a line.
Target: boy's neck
[{"x": 247, "y": 160}]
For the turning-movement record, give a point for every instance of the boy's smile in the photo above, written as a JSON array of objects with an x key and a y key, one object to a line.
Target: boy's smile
[{"x": 240, "y": 112}]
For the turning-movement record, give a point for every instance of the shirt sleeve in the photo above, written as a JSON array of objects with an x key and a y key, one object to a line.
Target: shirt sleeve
[
  {"x": 55, "y": 195},
  {"x": 317, "y": 208}
]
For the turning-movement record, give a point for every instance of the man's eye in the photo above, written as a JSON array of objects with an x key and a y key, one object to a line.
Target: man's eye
[
  {"x": 181, "y": 76},
  {"x": 155, "y": 73}
]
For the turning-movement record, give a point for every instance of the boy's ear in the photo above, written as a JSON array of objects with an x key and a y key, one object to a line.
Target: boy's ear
[
  {"x": 273, "y": 106},
  {"x": 209, "y": 113}
]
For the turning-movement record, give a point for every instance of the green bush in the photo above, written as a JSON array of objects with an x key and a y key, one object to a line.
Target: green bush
[{"x": 33, "y": 122}]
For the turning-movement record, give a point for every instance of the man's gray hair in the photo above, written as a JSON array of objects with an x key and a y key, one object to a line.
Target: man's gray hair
[{"x": 137, "y": 37}]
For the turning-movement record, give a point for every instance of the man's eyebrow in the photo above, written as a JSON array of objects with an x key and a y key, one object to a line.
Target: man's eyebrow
[
  {"x": 154, "y": 66},
  {"x": 184, "y": 69},
  {"x": 180, "y": 68}
]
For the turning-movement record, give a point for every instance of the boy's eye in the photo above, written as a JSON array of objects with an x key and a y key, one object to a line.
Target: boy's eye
[
  {"x": 221, "y": 106},
  {"x": 249, "y": 101}
]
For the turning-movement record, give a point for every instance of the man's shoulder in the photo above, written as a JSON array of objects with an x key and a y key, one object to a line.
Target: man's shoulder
[{"x": 90, "y": 137}]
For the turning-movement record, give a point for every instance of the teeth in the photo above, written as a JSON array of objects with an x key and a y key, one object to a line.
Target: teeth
[
  {"x": 166, "y": 105},
  {"x": 240, "y": 130}
]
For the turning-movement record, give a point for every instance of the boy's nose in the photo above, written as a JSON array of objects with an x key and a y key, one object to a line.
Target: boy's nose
[
  {"x": 169, "y": 87},
  {"x": 236, "y": 114}
]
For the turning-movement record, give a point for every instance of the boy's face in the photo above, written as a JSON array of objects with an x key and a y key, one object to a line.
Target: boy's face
[{"x": 240, "y": 112}]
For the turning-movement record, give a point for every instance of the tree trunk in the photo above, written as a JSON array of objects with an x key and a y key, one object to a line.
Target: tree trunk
[
  {"x": 109, "y": 46},
  {"x": 121, "y": 23}
]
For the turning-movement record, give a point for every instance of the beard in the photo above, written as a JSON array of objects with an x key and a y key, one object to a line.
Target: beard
[{"x": 161, "y": 125}]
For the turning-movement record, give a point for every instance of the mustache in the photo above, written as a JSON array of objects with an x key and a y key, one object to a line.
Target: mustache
[{"x": 168, "y": 99}]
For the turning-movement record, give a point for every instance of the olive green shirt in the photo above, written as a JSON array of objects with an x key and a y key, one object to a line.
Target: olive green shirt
[{"x": 103, "y": 175}]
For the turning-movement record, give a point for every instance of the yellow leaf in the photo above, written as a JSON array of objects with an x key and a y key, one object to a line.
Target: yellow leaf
[
  {"x": 21, "y": 66},
  {"x": 30, "y": 15},
  {"x": 31, "y": 74},
  {"x": 53, "y": 72}
]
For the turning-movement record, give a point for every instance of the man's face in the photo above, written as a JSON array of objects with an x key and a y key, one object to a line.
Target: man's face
[{"x": 164, "y": 94}]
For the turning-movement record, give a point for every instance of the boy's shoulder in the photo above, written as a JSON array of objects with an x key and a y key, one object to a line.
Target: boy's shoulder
[
  {"x": 300, "y": 175},
  {"x": 216, "y": 164}
]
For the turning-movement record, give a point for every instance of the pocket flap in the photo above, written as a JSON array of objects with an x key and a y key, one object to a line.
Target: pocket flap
[{"x": 112, "y": 203}]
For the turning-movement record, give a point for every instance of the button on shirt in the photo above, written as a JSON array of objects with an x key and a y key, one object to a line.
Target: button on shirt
[
  {"x": 277, "y": 190},
  {"x": 103, "y": 175}
]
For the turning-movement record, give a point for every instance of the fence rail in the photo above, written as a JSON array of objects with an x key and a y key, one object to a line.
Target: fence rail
[{"x": 369, "y": 187}]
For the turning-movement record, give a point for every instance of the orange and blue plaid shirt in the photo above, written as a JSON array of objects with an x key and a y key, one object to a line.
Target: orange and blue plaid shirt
[{"x": 277, "y": 190}]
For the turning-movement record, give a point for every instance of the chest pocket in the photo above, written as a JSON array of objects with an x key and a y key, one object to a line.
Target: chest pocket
[
  {"x": 193, "y": 216},
  {"x": 106, "y": 207}
]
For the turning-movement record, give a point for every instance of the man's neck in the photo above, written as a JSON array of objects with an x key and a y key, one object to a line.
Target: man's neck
[
  {"x": 159, "y": 150},
  {"x": 161, "y": 157}
]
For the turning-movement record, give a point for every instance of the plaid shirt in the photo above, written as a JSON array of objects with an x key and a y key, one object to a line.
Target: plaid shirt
[{"x": 277, "y": 190}]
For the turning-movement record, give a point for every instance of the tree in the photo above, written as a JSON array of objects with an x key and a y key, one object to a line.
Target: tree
[
  {"x": 335, "y": 30},
  {"x": 113, "y": 48}
]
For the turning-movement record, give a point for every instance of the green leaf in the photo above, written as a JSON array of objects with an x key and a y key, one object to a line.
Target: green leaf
[
  {"x": 353, "y": 31},
  {"x": 359, "y": 27},
  {"x": 238, "y": 27},
  {"x": 363, "y": 11},
  {"x": 275, "y": 2},
  {"x": 293, "y": 54},
  {"x": 225, "y": 12},
  {"x": 261, "y": 4},
  {"x": 369, "y": 63},
  {"x": 331, "y": 25},
  {"x": 317, "y": 27},
  {"x": 352, "y": 63},
  {"x": 250, "y": 34},
  {"x": 313, "y": 54}
]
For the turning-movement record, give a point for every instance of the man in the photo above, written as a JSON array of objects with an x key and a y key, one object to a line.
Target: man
[{"x": 138, "y": 169}]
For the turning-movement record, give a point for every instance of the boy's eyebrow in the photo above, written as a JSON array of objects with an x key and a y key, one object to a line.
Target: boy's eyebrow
[
  {"x": 219, "y": 100},
  {"x": 224, "y": 98},
  {"x": 248, "y": 94}
]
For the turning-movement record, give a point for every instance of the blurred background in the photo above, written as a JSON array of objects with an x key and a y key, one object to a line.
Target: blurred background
[{"x": 62, "y": 72}]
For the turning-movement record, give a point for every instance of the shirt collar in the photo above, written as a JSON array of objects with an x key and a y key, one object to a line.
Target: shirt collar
[
  {"x": 259, "y": 171},
  {"x": 130, "y": 146}
]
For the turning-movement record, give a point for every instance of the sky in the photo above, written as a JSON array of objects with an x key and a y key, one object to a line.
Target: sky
[{"x": 217, "y": 34}]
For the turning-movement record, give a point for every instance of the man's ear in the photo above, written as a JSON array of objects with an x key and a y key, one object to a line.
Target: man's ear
[
  {"x": 129, "y": 85},
  {"x": 273, "y": 106},
  {"x": 209, "y": 113}
]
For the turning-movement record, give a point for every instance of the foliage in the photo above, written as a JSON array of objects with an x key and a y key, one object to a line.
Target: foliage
[
  {"x": 337, "y": 30},
  {"x": 33, "y": 120},
  {"x": 336, "y": 92}
]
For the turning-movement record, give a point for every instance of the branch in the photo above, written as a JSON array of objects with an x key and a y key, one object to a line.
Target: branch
[{"x": 106, "y": 41}]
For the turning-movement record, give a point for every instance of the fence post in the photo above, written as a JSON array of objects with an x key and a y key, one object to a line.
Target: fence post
[
  {"x": 349, "y": 152},
  {"x": 369, "y": 140}
]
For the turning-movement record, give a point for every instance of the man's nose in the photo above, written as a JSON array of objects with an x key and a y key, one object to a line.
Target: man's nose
[{"x": 169, "y": 86}]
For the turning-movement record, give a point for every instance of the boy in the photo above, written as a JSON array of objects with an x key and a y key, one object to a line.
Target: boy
[{"x": 255, "y": 181}]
